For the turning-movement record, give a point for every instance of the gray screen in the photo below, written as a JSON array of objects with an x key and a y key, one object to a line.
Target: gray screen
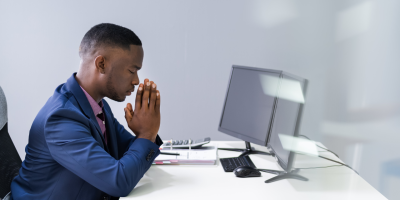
[{"x": 249, "y": 103}]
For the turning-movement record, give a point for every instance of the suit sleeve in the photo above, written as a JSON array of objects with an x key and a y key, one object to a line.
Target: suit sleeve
[
  {"x": 125, "y": 138},
  {"x": 71, "y": 144}
]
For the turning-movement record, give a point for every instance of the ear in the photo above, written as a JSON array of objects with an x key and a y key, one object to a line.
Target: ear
[{"x": 99, "y": 62}]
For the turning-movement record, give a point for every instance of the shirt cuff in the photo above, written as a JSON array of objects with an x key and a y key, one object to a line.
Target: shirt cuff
[{"x": 158, "y": 141}]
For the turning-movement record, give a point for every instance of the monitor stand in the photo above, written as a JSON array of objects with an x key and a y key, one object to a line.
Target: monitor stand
[
  {"x": 247, "y": 151},
  {"x": 283, "y": 175}
]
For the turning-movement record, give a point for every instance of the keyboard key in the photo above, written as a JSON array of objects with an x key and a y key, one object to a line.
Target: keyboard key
[{"x": 185, "y": 143}]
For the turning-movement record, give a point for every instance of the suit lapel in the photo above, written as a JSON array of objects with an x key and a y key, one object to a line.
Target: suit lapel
[{"x": 73, "y": 86}]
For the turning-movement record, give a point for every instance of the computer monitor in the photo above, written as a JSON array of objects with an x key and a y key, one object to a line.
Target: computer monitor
[
  {"x": 261, "y": 104},
  {"x": 249, "y": 106},
  {"x": 287, "y": 120}
]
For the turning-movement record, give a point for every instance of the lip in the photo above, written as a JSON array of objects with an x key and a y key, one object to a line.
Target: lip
[{"x": 129, "y": 92}]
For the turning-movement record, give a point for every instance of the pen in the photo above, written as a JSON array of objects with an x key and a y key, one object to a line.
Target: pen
[{"x": 172, "y": 154}]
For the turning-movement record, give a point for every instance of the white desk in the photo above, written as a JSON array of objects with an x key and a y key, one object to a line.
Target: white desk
[{"x": 192, "y": 182}]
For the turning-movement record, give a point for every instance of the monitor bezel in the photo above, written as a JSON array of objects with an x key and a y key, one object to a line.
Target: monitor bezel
[
  {"x": 240, "y": 135},
  {"x": 288, "y": 165}
]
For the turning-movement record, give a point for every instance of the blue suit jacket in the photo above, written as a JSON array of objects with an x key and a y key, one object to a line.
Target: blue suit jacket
[{"x": 66, "y": 157}]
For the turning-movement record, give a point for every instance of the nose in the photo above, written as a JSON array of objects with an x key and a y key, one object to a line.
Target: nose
[{"x": 136, "y": 80}]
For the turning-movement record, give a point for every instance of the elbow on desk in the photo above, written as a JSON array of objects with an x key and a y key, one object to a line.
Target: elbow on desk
[
  {"x": 121, "y": 191},
  {"x": 128, "y": 175},
  {"x": 124, "y": 184},
  {"x": 124, "y": 192}
]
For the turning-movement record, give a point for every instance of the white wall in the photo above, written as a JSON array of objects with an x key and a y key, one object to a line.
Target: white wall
[{"x": 347, "y": 49}]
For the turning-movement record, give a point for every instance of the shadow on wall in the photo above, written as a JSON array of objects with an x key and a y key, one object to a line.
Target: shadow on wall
[{"x": 389, "y": 177}]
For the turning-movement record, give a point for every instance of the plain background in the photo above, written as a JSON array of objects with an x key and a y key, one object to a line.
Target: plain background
[{"x": 347, "y": 49}]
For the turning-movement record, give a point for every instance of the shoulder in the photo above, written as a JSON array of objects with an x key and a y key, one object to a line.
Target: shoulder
[
  {"x": 66, "y": 122},
  {"x": 61, "y": 113},
  {"x": 62, "y": 104}
]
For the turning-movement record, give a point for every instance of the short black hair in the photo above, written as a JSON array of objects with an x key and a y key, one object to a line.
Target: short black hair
[{"x": 109, "y": 35}]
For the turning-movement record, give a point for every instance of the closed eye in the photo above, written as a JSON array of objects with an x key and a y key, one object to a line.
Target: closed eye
[{"x": 131, "y": 72}]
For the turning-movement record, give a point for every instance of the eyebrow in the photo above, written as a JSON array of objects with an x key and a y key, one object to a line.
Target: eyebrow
[{"x": 135, "y": 66}]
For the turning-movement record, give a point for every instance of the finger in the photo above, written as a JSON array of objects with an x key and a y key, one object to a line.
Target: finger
[
  {"x": 146, "y": 93},
  {"x": 138, "y": 101},
  {"x": 151, "y": 90},
  {"x": 128, "y": 115},
  {"x": 158, "y": 101},
  {"x": 129, "y": 107},
  {"x": 153, "y": 96}
]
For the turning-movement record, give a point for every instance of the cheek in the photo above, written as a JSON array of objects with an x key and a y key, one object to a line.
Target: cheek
[{"x": 124, "y": 84}]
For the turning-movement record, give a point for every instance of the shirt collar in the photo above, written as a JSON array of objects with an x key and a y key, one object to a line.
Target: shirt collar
[{"x": 96, "y": 107}]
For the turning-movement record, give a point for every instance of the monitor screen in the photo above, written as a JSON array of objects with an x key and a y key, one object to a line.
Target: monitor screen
[{"x": 249, "y": 104}]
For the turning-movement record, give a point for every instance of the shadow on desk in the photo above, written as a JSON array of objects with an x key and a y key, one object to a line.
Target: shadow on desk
[
  {"x": 326, "y": 180},
  {"x": 157, "y": 179},
  {"x": 154, "y": 179}
]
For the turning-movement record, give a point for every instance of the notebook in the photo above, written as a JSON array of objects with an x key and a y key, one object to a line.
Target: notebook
[{"x": 206, "y": 155}]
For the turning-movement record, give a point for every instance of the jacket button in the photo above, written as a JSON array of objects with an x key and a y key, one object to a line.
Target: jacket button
[{"x": 150, "y": 155}]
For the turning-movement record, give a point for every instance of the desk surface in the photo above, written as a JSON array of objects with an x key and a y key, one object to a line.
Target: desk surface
[{"x": 192, "y": 182}]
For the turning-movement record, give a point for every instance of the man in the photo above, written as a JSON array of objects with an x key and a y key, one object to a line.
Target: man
[{"x": 77, "y": 149}]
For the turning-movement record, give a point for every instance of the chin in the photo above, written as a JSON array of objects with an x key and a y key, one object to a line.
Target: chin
[{"x": 119, "y": 98}]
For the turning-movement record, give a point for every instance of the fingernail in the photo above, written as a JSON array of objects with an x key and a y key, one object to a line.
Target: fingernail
[
  {"x": 148, "y": 83},
  {"x": 140, "y": 88},
  {"x": 158, "y": 94},
  {"x": 154, "y": 85}
]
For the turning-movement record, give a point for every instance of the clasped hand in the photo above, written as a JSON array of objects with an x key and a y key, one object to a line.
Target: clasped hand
[{"x": 145, "y": 120}]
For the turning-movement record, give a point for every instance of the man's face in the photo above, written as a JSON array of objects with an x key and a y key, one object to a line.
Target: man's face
[{"x": 123, "y": 74}]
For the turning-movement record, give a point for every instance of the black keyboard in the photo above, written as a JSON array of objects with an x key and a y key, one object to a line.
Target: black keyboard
[{"x": 229, "y": 164}]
